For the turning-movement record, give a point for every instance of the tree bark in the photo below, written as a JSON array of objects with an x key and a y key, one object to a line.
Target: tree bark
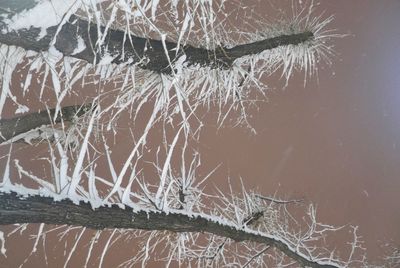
[
  {"x": 10, "y": 128},
  {"x": 147, "y": 53},
  {"x": 38, "y": 209}
]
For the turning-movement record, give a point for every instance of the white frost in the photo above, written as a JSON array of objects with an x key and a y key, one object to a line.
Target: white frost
[
  {"x": 43, "y": 15},
  {"x": 3, "y": 242},
  {"x": 80, "y": 46},
  {"x": 22, "y": 109},
  {"x": 10, "y": 57},
  {"x": 106, "y": 59}
]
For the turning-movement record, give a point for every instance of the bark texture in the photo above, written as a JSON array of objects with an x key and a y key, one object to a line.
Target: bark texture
[
  {"x": 38, "y": 209},
  {"x": 147, "y": 53},
  {"x": 9, "y": 128}
]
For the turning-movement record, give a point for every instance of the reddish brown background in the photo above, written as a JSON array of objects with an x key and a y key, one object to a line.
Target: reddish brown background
[{"x": 335, "y": 141}]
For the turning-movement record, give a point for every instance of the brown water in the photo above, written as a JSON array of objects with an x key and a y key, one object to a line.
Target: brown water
[{"x": 335, "y": 142}]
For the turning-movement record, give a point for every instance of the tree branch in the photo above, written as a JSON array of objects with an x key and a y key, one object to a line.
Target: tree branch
[
  {"x": 148, "y": 53},
  {"x": 38, "y": 209},
  {"x": 10, "y": 128},
  {"x": 278, "y": 201},
  {"x": 256, "y": 256}
]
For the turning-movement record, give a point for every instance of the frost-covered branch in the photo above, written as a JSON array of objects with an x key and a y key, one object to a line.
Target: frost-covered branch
[
  {"x": 39, "y": 209},
  {"x": 78, "y": 38},
  {"x": 10, "y": 128},
  {"x": 109, "y": 47},
  {"x": 278, "y": 201}
]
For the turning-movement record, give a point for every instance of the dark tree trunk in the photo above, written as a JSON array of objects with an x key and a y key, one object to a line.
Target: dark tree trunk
[
  {"x": 38, "y": 209},
  {"x": 148, "y": 53},
  {"x": 10, "y": 128}
]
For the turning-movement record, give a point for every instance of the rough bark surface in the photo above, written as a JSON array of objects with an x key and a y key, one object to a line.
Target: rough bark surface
[
  {"x": 38, "y": 209},
  {"x": 147, "y": 53},
  {"x": 9, "y": 128}
]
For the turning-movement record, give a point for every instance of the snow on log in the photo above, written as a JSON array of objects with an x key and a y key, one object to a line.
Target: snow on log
[
  {"x": 78, "y": 38},
  {"x": 41, "y": 209}
]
